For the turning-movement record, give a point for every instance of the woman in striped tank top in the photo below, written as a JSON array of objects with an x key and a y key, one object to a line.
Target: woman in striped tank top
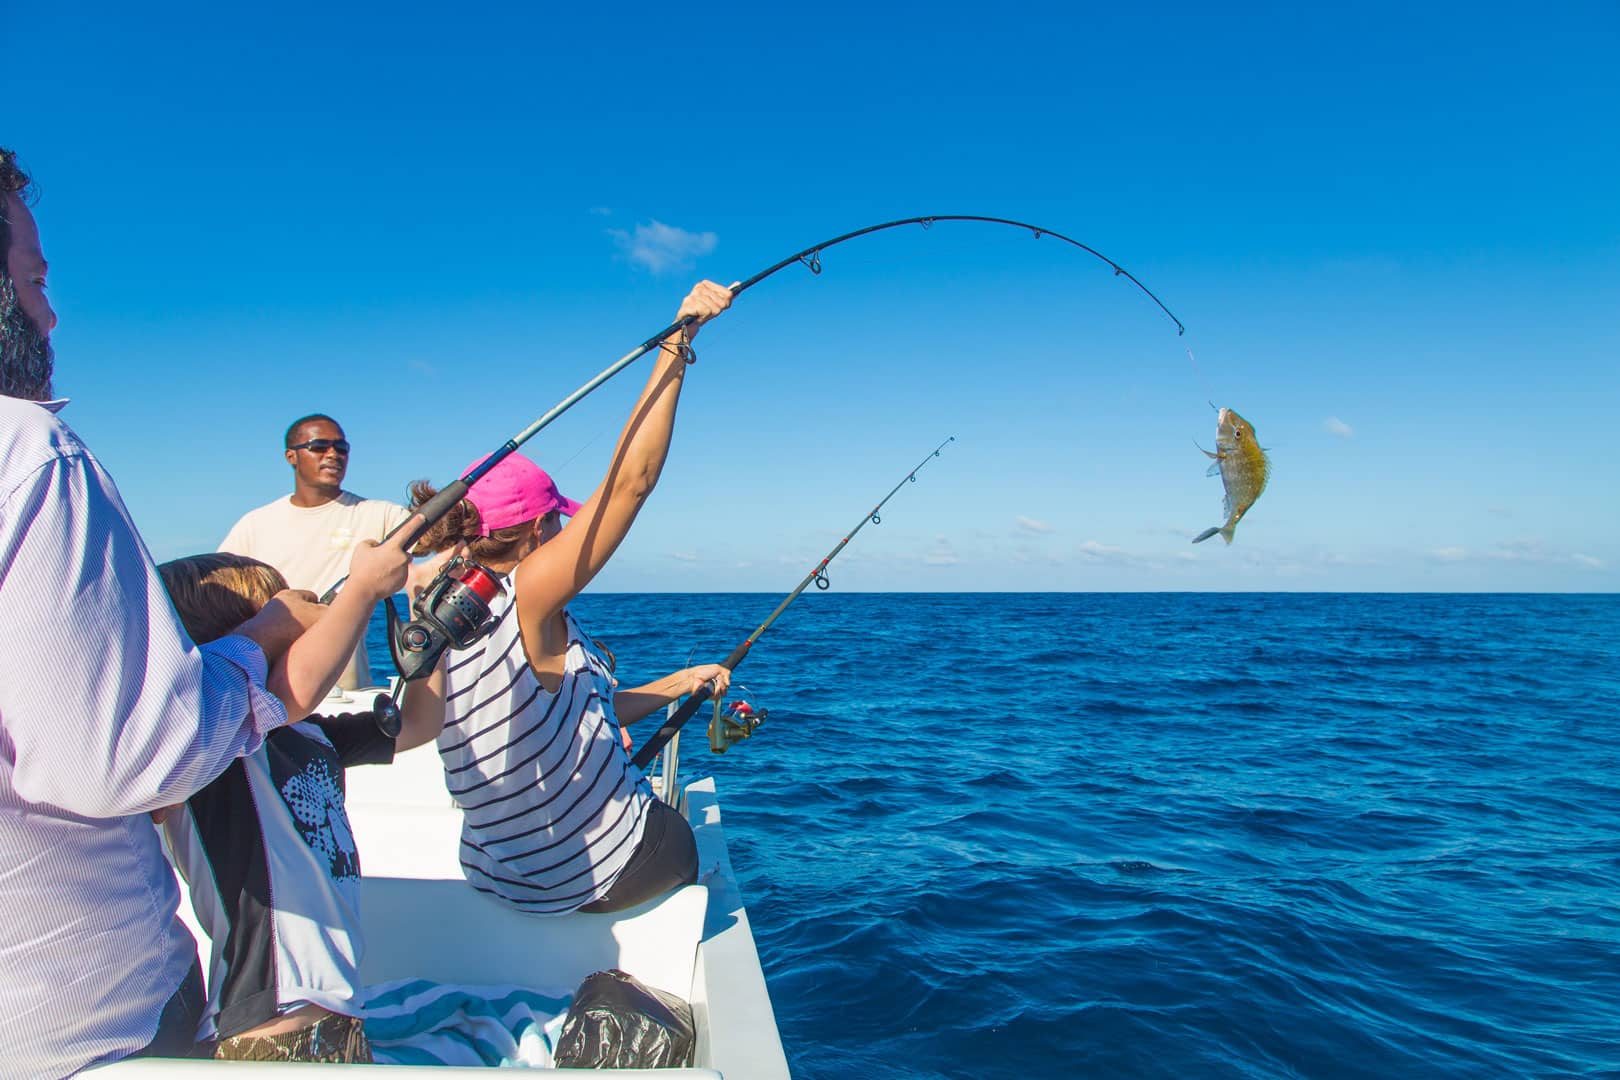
[{"x": 555, "y": 818}]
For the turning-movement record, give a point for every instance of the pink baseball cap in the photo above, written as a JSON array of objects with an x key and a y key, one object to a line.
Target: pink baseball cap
[{"x": 515, "y": 491}]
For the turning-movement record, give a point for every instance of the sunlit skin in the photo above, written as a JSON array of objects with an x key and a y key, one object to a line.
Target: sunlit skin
[
  {"x": 317, "y": 478},
  {"x": 25, "y": 262}
]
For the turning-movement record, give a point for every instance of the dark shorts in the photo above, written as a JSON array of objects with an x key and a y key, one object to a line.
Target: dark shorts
[
  {"x": 665, "y": 859},
  {"x": 177, "y": 1027}
]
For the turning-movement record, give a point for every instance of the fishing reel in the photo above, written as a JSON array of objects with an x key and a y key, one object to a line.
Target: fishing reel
[
  {"x": 734, "y": 720},
  {"x": 384, "y": 714},
  {"x": 452, "y": 612}
]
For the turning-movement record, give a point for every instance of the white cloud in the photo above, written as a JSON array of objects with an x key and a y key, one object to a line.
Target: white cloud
[
  {"x": 659, "y": 247},
  {"x": 1338, "y": 427},
  {"x": 1499, "y": 511},
  {"x": 684, "y": 556},
  {"x": 1031, "y": 525},
  {"x": 600, "y": 211},
  {"x": 1334, "y": 558},
  {"x": 1530, "y": 550},
  {"x": 943, "y": 554},
  {"x": 1097, "y": 552}
]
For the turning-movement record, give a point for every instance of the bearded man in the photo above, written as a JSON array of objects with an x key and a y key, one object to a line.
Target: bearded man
[{"x": 107, "y": 712}]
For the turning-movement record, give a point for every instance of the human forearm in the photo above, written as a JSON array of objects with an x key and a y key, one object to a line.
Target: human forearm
[
  {"x": 281, "y": 622},
  {"x": 315, "y": 660},
  {"x": 642, "y": 449},
  {"x": 555, "y": 572},
  {"x": 422, "y": 711},
  {"x": 639, "y": 702},
  {"x": 643, "y": 446}
]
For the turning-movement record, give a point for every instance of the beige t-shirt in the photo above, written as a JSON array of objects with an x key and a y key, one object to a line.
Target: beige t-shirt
[{"x": 311, "y": 546}]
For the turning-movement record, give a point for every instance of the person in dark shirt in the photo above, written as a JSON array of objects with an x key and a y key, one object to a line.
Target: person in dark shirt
[{"x": 267, "y": 849}]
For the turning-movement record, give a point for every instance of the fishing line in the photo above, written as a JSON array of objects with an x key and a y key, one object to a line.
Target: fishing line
[
  {"x": 588, "y": 444},
  {"x": 818, "y": 575},
  {"x": 1199, "y": 375}
]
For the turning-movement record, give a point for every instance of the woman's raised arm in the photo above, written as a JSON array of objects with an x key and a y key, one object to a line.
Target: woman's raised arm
[{"x": 552, "y": 575}]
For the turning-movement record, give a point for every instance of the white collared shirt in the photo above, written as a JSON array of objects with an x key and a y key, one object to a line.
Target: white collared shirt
[{"x": 107, "y": 711}]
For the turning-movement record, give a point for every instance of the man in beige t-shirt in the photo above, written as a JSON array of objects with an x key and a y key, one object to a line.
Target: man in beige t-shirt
[{"x": 309, "y": 536}]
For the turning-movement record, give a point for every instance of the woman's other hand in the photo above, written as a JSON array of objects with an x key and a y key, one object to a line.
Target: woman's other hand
[{"x": 692, "y": 679}]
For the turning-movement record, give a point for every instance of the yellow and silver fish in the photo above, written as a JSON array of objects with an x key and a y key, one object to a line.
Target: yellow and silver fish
[{"x": 1244, "y": 470}]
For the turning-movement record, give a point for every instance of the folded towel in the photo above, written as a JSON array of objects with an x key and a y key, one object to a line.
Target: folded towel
[{"x": 420, "y": 1022}]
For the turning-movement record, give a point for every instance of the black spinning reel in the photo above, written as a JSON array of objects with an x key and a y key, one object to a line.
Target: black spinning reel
[{"x": 453, "y": 611}]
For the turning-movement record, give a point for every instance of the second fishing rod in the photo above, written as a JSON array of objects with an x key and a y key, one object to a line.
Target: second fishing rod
[{"x": 719, "y": 738}]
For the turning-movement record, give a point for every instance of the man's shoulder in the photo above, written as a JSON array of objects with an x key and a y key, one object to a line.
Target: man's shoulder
[
  {"x": 30, "y": 436},
  {"x": 372, "y": 509},
  {"x": 349, "y": 498},
  {"x": 274, "y": 508}
]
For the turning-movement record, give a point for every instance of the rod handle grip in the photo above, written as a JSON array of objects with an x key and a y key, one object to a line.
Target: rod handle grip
[
  {"x": 432, "y": 510},
  {"x": 649, "y": 749}
]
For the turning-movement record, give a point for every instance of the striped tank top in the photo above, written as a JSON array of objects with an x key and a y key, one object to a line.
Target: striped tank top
[{"x": 551, "y": 807}]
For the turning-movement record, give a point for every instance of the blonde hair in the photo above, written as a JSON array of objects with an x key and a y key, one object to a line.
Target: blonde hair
[{"x": 216, "y": 593}]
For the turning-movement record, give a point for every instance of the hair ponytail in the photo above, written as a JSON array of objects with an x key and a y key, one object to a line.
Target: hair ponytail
[{"x": 463, "y": 525}]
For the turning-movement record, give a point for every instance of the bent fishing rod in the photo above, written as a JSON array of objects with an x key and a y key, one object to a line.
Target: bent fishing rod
[
  {"x": 810, "y": 257},
  {"x": 718, "y": 741},
  {"x": 454, "y": 609}
]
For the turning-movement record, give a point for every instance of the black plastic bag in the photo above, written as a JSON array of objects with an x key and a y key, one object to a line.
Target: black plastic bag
[{"x": 617, "y": 1022}]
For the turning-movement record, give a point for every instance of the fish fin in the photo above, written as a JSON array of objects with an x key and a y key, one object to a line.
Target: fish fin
[
  {"x": 1206, "y": 534},
  {"x": 1206, "y": 453},
  {"x": 1213, "y": 470},
  {"x": 1228, "y": 532}
]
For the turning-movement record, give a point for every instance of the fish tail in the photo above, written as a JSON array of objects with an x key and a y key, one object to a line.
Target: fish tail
[{"x": 1226, "y": 533}]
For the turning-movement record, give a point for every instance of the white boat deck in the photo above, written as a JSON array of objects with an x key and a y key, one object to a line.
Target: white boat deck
[{"x": 424, "y": 921}]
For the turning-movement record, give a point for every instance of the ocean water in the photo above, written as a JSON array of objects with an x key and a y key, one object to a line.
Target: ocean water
[{"x": 1171, "y": 834}]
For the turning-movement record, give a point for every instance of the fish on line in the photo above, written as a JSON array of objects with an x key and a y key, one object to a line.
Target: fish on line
[{"x": 1243, "y": 467}]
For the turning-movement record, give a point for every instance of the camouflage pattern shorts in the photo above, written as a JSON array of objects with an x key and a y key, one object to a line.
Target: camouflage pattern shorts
[{"x": 332, "y": 1039}]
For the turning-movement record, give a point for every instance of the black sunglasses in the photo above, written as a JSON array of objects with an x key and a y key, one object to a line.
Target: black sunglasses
[{"x": 321, "y": 446}]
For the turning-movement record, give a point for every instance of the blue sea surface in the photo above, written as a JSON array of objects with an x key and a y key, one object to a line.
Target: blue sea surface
[{"x": 1170, "y": 834}]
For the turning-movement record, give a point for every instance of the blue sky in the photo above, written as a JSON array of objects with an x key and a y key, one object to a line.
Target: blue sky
[{"x": 1393, "y": 236}]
